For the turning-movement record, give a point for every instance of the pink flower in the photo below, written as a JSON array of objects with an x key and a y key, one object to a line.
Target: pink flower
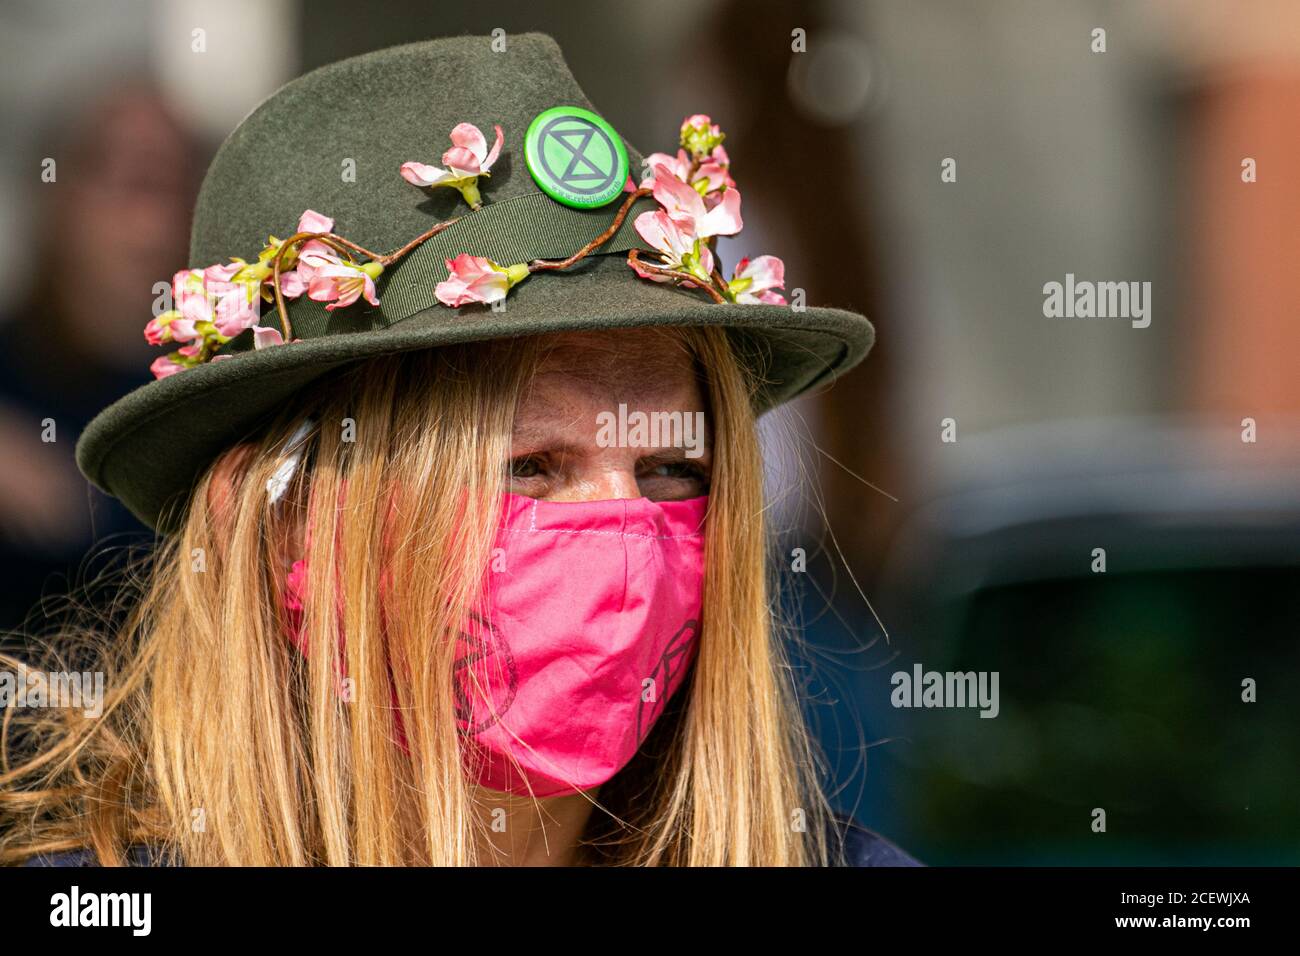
[
  {"x": 218, "y": 274},
  {"x": 190, "y": 296},
  {"x": 713, "y": 177},
  {"x": 753, "y": 281},
  {"x": 337, "y": 282},
  {"x": 312, "y": 221},
  {"x": 678, "y": 247},
  {"x": 476, "y": 279},
  {"x": 212, "y": 306},
  {"x": 700, "y": 135},
  {"x": 296, "y": 282},
  {"x": 293, "y": 284},
  {"x": 236, "y": 307},
  {"x": 470, "y": 155},
  {"x": 467, "y": 160},
  {"x": 165, "y": 365},
  {"x": 709, "y": 179},
  {"x": 264, "y": 337},
  {"x": 205, "y": 301},
  {"x": 678, "y": 166},
  {"x": 683, "y": 202},
  {"x": 170, "y": 326}
]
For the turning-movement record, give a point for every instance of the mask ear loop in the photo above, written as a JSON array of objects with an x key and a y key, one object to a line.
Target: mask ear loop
[{"x": 290, "y": 456}]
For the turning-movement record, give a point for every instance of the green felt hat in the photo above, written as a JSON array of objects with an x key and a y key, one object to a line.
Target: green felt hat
[{"x": 333, "y": 141}]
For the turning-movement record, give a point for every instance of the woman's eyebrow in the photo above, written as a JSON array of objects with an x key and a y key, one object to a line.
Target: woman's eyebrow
[
  {"x": 675, "y": 454},
  {"x": 576, "y": 435},
  {"x": 532, "y": 439}
]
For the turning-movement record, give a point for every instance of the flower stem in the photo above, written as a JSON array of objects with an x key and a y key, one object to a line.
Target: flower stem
[
  {"x": 392, "y": 257},
  {"x": 540, "y": 265},
  {"x": 331, "y": 240},
  {"x": 634, "y": 260},
  {"x": 720, "y": 281},
  {"x": 341, "y": 245}
]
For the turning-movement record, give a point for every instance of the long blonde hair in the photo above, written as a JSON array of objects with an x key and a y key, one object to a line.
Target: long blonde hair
[{"x": 222, "y": 745}]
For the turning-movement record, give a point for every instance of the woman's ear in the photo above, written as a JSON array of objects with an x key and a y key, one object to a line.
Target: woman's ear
[
  {"x": 228, "y": 476},
  {"x": 225, "y": 485}
]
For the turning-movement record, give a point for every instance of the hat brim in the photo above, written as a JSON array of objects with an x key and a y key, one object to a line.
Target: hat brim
[{"x": 149, "y": 448}]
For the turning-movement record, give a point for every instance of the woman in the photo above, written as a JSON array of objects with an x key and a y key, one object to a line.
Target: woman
[{"x": 471, "y": 571}]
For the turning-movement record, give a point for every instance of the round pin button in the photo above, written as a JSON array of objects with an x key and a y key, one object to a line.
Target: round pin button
[{"x": 575, "y": 157}]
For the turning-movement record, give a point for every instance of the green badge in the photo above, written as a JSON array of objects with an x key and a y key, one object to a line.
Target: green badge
[{"x": 575, "y": 157}]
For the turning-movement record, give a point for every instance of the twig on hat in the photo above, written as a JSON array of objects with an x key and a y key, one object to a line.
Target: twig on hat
[
  {"x": 331, "y": 240},
  {"x": 414, "y": 243},
  {"x": 477, "y": 279},
  {"x": 342, "y": 245},
  {"x": 671, "y": 275},
  {"x": 542, "y": 265}
]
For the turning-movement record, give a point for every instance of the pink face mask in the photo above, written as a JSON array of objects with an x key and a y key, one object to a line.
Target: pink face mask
[{"x": 593, "y": 623}]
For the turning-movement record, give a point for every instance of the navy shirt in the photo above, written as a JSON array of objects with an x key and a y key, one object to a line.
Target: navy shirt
[{"x": 863, "y": 847}]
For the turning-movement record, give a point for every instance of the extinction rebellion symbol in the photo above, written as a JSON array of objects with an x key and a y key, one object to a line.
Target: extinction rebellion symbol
[{"x": 575, "y": 157}]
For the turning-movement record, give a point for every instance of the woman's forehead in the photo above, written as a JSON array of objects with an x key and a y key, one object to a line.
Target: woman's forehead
[
  {"x": 664, "y": 345},
  {"x": 651, "y": 363}
]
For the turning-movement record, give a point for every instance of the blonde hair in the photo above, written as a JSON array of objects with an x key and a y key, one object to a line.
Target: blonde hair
[{"x": 213, "y": 715}]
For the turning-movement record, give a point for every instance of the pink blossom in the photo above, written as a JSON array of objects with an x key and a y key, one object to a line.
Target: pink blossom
[
  {"x": 709, "y": 179},
  {"x": 753, "y": 281},
  {"x": 470, "y": 155},
  {"x": 476, "y": 279},
  {"x": 264, "y": 337},
  {"x": 467, "y": 159},
  {"x": 699, "y": 123},
  {"x": 171, "y": 326},
  {"x": 678, "y": 166},
  {"x": 312, "y": 221},
  {"x": 213, "y": 305},
  {"x": 683, "y": 202},
  {"x": 165, "y": 365},
  {"x": 713, "y": 177},
  {"x": 190, "y": 296},
  {"x": 700, "y": 135},
  {"x": 295, "y": 282},
  {"x": 218, "y": 274},
  {"x": 678, "y": 246},
  {"x": 204, "y": 300},
  {"x": 237, "y": 307},
  {"x": 340, "y": 283}
]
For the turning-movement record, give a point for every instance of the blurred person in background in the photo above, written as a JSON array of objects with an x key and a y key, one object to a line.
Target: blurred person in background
[{"x": 113, "y": 218}]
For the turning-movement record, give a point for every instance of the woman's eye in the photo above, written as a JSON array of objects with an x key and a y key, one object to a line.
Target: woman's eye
[
  {"x": 683, "y": 470},
  {"x": 676, "y": 469},
  {"x": 525, "y": 467}
]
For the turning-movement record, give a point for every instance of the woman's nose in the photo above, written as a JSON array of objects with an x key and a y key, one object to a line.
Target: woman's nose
[{"x": 601, "y": 482}]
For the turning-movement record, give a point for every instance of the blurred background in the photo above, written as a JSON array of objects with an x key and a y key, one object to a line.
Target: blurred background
[{"x": 1106, "y": 516}]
